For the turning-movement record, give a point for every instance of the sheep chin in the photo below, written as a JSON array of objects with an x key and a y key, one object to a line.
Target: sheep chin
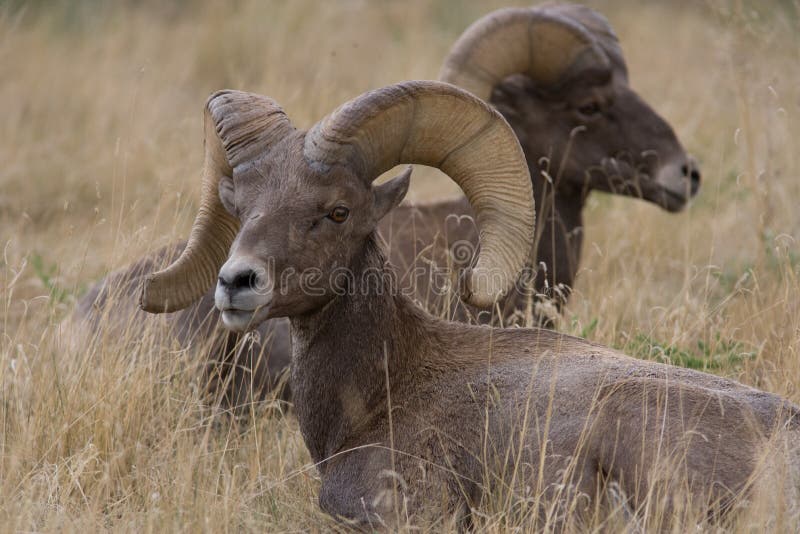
[{"x": 243, "y": 320}]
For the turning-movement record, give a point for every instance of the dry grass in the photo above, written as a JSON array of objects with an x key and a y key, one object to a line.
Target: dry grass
[{"x": 101, "y": 149}]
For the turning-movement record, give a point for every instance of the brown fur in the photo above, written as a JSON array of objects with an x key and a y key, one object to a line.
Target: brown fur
[{"x": 458, "y": 396}]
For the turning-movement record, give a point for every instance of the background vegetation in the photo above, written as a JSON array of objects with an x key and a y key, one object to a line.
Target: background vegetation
[{"x": 100, "y": 157}]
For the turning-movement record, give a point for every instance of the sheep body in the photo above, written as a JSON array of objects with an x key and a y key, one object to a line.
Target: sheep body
[{"x": 468, "y": 400}]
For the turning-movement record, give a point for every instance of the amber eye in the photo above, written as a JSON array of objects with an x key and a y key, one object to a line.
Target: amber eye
[
  {"x": 339, "y": 214},
  {"x": 590, "y": 109}
]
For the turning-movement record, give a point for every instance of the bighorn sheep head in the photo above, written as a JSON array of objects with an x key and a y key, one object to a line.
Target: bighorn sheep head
[
  {"x": 558, "y": 75},
  {"x": 290, "y": 208}
]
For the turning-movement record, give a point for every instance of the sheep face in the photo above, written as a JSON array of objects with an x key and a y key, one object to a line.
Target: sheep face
[
  {"x": 281, "y": 210},
  {"x": 597, "y": 133},
  {"x": 558, "y": 75},
  {"x": 300, "y": 229}
]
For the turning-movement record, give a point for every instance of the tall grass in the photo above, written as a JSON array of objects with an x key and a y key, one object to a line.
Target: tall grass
[{"x": 100, "y": 151}]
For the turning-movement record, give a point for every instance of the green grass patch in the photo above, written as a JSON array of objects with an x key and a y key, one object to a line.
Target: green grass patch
[
  {"x": 47, "y": 273},
  {"x": 719, "y": 354}
]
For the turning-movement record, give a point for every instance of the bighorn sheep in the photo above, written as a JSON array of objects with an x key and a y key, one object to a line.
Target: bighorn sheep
[
  {"x": 558, "y": 76},
  {"x": 403, "y": 411}
]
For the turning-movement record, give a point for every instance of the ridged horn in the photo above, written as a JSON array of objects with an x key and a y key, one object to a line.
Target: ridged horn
[
  {"x": 442, "y": 126},
  {"x": 543, "y": 43},
  {"x": 239, "y": 127},
  {"x": 598, "y": 26}
]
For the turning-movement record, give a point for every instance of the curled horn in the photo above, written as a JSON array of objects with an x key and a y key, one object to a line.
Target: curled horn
[
  {"x": 239, "y": 127},
  {"x": 543, "y": 43},
  {"x": 437, "y": 124}
]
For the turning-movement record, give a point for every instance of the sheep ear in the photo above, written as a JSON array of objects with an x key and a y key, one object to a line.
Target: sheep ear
[
  {"x": 226, "y": 194},
  {"x": 390, "y": 194}
]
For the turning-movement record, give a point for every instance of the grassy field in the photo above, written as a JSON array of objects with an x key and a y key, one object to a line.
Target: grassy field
[{"x": 100, "y": 157}]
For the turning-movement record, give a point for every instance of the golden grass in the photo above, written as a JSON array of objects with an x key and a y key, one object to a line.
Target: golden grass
[{"x": 101, "y": 149}]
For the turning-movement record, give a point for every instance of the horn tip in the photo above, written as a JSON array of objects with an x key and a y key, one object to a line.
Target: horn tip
[
  {"x": 150, "y": 297},
  {"x": 145, "y": 303},
  {"x": 483, "y": 287}
]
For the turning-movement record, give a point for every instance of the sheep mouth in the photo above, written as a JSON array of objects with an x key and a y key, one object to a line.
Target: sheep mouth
[
  {"x": 669, "y": 200},
  {"x": 642, "y": 187},
  {"x": 239, "y": 320},
  {"x": 618, "y": 176}
]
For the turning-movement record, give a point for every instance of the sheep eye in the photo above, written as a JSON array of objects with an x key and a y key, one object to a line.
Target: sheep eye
[
  {"x": 589, "y": 110},
  {"x": 339, "y": 214}
]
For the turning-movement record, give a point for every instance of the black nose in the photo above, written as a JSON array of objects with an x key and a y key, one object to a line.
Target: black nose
[
  {"x": 691, "y": 171},
  {"x": 242, "y": 280}
]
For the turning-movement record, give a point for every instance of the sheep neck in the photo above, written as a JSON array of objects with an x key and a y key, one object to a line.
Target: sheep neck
[
  {"x": 343, "y": 353},
  {"x": 559, "y": 230}
]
